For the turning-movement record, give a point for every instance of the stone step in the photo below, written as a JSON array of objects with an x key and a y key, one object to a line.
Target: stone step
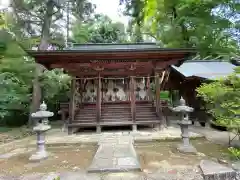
[
  {"x": 215, "y": 171},
  {"x": 116, "y": 156}
]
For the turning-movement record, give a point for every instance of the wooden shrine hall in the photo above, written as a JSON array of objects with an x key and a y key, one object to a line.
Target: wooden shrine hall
[{"x": 111, "y": 83}]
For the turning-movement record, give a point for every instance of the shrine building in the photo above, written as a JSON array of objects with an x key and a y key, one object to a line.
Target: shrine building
[{"x": 111, "y": 83}]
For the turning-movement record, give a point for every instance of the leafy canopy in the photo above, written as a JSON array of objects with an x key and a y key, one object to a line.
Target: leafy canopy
[
  {"x": 212, "y": 26},
  {"x": 17, "y": 74},
  {"x": 100, "y": 29}
]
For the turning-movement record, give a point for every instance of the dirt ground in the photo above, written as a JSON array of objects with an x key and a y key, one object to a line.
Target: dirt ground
[
  {"x": 60, "y": 159},
  {"x": 152, "y": 156},
  {"x": 10, "y": 134}
]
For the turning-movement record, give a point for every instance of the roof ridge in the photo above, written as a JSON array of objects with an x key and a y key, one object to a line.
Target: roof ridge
[
  {"x": 92, "y": 44},
  {"x": 210, "y": 60}
]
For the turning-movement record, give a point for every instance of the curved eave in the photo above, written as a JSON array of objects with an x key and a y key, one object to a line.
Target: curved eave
[
  {"x": 68, "y": 56},
  {"x": 186, "y": 50}
]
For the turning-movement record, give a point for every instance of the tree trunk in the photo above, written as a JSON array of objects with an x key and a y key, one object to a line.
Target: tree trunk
[
  {"x": 138, "y": 33},
  {"x": 46, "y": 26},
  {"x": 37, "y": 92}
]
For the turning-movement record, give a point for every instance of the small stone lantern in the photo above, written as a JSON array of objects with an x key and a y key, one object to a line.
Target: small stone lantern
[
  {"x": 42, "y": 114},
  {"x": 40, "y": 129},
  {"x": 185, "y": 147}
]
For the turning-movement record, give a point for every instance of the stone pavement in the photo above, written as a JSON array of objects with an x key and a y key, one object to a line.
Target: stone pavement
[
  {"x": 115, "y": 154},
  {"x": 171, "y": 173},
  {"x": 61, "y": 138},
  {"x": 215, "y": 136},
  {"x": 215, "y": 171}
]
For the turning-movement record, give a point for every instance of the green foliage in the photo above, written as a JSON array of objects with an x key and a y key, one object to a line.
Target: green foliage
[
  {"x": 133, "y": 9},
  {"x": 203, "y": 24},
  {"x": 222, "y": 100},
  {"x": 55, "y": 88},
  {"x": 16, "y": 73},
  {"x": 16, "y": 77},
  {"x": 164, "y": 95},
  {"x": 36, "y": 19},
  {"x": 234, "y": 153},
  {"x": 100, "y": 29}
]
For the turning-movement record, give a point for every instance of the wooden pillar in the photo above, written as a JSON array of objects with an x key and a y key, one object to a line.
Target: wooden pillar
[
  {"x": 157, "y": 89},
  {"x": 148, "y": 89},
  {"x": 72, "y": 105},
  {"x": 98, "y": 104},
  {"x": 63, "y": 118},
  {"x": 133, "y": 102},
  {"x": 129, "y": 90}
]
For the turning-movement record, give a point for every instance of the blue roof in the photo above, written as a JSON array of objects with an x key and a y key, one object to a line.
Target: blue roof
[{"x": 206, "y": 69}]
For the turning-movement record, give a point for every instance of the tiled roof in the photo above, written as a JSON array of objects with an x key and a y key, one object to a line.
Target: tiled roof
[
  {"x": 98, "y": 47},
  {"x": 109, "y": 46},
  {"x": 206, "y": 69}
]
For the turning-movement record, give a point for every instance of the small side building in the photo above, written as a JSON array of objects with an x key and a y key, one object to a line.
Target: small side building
[{"x": 191, "y": 74}]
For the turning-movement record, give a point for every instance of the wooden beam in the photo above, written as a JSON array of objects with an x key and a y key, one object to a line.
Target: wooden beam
[
  {"x": 49, "y": 58},
  {"x": 142, "y": 72},
  {"x": 160, "y": 65},
  {"x": 72, "y": 103},
  {"x": 133, "y": 98},
  {"x": 107, "y": 65},
  {"x": 165, "y": 79}
]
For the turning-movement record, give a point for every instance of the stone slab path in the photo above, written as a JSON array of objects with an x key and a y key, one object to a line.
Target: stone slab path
[
  {"x": 62, "y": 138},
  {"x": 115, "y": 155},
  {"x": 212, "y": 170}
]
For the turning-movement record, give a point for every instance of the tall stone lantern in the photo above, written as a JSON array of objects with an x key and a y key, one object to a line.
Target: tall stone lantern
[
  {"x": 40, "y": 129},
  {"x": 186, "y": 146}
]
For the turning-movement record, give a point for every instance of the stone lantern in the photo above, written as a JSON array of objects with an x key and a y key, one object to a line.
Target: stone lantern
[
  {"x": 41, "y": 128},
  {"x": 185, "y": 147},
  {"x": 42, "y": 114}
]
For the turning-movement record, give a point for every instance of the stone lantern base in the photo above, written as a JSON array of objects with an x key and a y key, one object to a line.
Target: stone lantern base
[
  {"x": 186, "y": 149},
  {"x": 38, "y": 156},
  {"x": 186, "y": 146},
  {"x": 41, "y": 152}
]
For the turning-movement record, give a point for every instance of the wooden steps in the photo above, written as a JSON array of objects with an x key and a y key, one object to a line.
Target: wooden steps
[
  {"x": 86, "y": 115},
  {"x": 145, "y": 114},
  {"x": 115, "y": 115}
]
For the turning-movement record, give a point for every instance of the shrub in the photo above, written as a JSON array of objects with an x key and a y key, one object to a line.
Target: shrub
[
  {"x": 234, "y": 153},
  {"x": 222, "y": 100}
]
